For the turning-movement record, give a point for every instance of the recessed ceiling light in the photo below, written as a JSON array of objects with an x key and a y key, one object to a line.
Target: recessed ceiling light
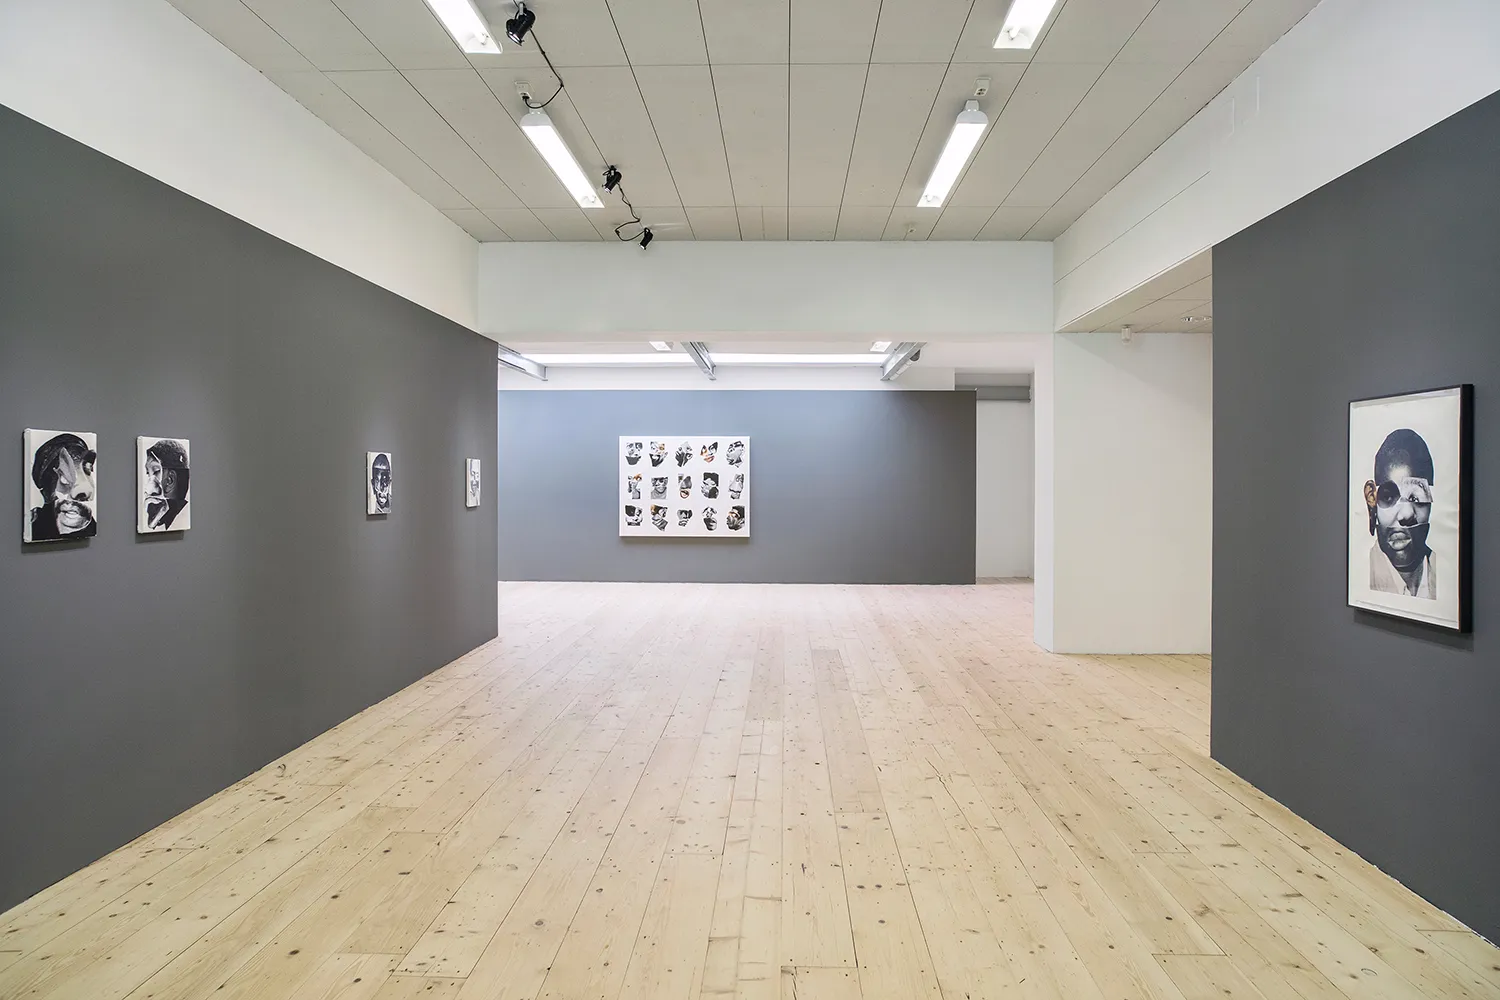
[
  {"x": 543, "y": 135},
  {"x": 881, "y": 346},
  {"x": 465, "y": 24},
  {"x": 1024, "y": 23},
  {"x": 661, "y": 345},
  {"x": 967, "y": 130}
]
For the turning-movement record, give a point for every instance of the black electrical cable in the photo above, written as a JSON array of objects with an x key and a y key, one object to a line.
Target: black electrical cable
[
  {"x": 560, "y": 84},
  {"x": 635, "y": 218}
]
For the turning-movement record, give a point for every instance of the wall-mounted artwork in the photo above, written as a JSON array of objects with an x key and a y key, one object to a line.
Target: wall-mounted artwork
[
  {"x": 162, "y": 469},
  {"x": 61, "y": 498},
  {"x": 472, "y": 482},
  {"x": 1409, "y": 509},
  {"x": 377, "y": 482},
  {"x": 694, "y": 487}
]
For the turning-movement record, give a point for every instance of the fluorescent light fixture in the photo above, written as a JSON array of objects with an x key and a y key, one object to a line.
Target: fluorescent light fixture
[
  {"x": 543, "y": 135},
  {"x": 661, "y": 345},
  {"x": 640, "y": 358},
  {"x": 1023, "y": 23},
  {"x": 880, "y": 346},
  {"x": 465, "y": 24},
  {"x": 965, "y": 136},
  {"x": 796, "y": 359}
]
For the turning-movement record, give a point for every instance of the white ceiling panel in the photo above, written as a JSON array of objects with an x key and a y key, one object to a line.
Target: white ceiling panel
[
  {"x": 477, "y": 225},
  {"x": 520, "y": 224},
  {"x": 714, "y": 223},
  {"x": 927, "y": 33},
  {"x": 471, "y": 109},
  {"x": 609, "y": 103},
  {"x": 667, "y": 222},
  {"x": 898, "y": 103},
  {"x": 321, "y": 32},
  {"x": 822, "y": 131},
  {"x": 394, "y": 103},
  {"x": 804, "y": 223},
  {"x": 1201, "y": 290},
  {"x": 1010, "y": 222},
  {"x": 685, "y": 114},
  {"x": 741, "y": 32},
  {"x": 819, "y": 119},
  {"x": 409, "y": 35},
  {"x": 753, "y": 109},
  {"x": 1042, "y": 101},
  {"x": 835, "y": 31},
  {"x": 242, "y": 31}
]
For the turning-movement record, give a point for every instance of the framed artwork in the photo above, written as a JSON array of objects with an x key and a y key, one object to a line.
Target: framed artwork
[
  {"x": 472, "y": 482},
  {"x": 684, "y": 487},
  {"x": 1409, "y": 506},
  {"x": 162, "y": 472},
  {"x": 62, "y": 498},
  {"x": 377, "y": 482}
]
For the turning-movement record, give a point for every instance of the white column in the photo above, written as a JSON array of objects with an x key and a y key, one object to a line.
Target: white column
[{"x": 1124, "y": 494}]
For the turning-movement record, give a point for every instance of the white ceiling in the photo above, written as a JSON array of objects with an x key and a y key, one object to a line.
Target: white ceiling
[
  {"x": 758, "y": 119},
  {"x": 1179, "y": 300}
]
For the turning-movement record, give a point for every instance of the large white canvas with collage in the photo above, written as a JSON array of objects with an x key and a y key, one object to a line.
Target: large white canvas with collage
[{"x": 684, "y": 487}]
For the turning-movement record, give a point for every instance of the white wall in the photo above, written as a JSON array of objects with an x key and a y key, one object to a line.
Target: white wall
[
  {"x": 1353, "y": 79},
  {"x": 1130, "y": 519},
  {"x": 895, "y": 290},
  {"x": 1004, "y": 460},
  {"x": 137, "y": 80}
]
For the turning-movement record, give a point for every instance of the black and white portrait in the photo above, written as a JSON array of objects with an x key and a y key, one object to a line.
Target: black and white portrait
[
  {"x": 701, "y": 483},
  {"x": 59, "y": 474},
  {"x": 1407, "y": 480},
  {"x": 377, "y": 482},
  {"x": 472, "y": 482},
  {"x": 162, "y": 470}
]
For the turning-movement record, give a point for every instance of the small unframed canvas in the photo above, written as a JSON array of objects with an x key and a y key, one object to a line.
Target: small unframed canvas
[
  {"x": 377, "y": 482},
  {"x": 162, "y": 470},
  {"x": 472, "y": 482},
  {"x": 61, "y": 498},
  {"x": 1409, "y": 508},
  {"x": 705, "y": 472}
]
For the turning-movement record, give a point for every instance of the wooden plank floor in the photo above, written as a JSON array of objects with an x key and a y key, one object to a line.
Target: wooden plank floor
[{"x": 739, "y": 791}]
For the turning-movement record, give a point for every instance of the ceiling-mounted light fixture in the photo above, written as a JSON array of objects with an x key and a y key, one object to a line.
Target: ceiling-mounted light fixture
[
  {"x": 516, "y": 27},
  {"x": 646, "y": 237},
  {"x": 660, "y": 345},
  {"x": 466, "y": 25},
  {"x": 543, "y": 135},
  {"x": 967, "y": 130},
  {"x": 612, "y": 177},
  {"x": 1024, "y": 23},
  {"x": 880, "y": 346}
]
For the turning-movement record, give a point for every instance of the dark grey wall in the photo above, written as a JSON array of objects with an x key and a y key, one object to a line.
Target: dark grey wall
[
  {"x": 1381, "y": 733},
  {"x": 139, "y": 675},
  {"x": 845, "y": 487}
]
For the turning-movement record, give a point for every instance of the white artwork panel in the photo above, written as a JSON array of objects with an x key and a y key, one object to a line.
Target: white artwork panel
[
  {"x": 472, "y": 482},
  {"x": 377, "y": 482},
  {"x": 62, "y": 500},
  {"x": 684, "y": 486},
  {"x": 163, "y": 485}
]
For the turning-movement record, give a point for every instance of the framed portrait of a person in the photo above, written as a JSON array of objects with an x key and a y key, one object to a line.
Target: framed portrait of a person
[
  {"x": 1409, "y": 506},
  {"x": 377, "y": 482},
  {"x": 163, "y": 501},
  {"x": 61, "y": 500}
]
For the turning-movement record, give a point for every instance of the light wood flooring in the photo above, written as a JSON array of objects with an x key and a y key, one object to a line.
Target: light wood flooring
[{"x": 805, "y": 793}]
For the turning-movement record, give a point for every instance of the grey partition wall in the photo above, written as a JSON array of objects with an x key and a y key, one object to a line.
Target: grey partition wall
[
  {"x": 847, "y": 486},
  {"x": 1383, "y": 733},
  {"x": 139, "y": 674}
]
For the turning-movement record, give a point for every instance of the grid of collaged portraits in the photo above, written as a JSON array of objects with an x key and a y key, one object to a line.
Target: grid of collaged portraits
[{"x": 684, "y": 487}]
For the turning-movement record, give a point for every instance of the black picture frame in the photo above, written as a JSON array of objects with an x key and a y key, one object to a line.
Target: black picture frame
[{"x": 1463, "y": 622}]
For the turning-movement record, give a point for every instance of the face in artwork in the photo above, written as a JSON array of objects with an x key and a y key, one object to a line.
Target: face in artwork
[
  {"x": 737, "y": 486},
  {"x": 1399, "y": 499},
  {"x": 659, "y": 517},
  {"x": 633, "y": 452},
  {"x": 711, "y": 485},
  {"x": 708, "y": 451},
  {"x": 684, "y": 486},
  {"x": 63, "y": 472},
  {"x": 710, "y": 518},
  {"x": 735, "y": 454},
  {"x": 633, "y": 486},
  {"x": 683, "y": 517},
  {"x": 658, "y": 452},
  {"x": 633, "y": 515},
  {"x": 735, "y": 519},
  {"x": 684, "y": 454}
]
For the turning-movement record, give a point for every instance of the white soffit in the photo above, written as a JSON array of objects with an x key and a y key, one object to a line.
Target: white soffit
[{"x": 817, "y": 120}]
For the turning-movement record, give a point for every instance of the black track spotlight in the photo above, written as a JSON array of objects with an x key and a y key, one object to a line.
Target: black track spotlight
[
  {"x": 612, "y": 177},
  {"x": 646, "y": 238},
  {"x": 517, "y": 27}
]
